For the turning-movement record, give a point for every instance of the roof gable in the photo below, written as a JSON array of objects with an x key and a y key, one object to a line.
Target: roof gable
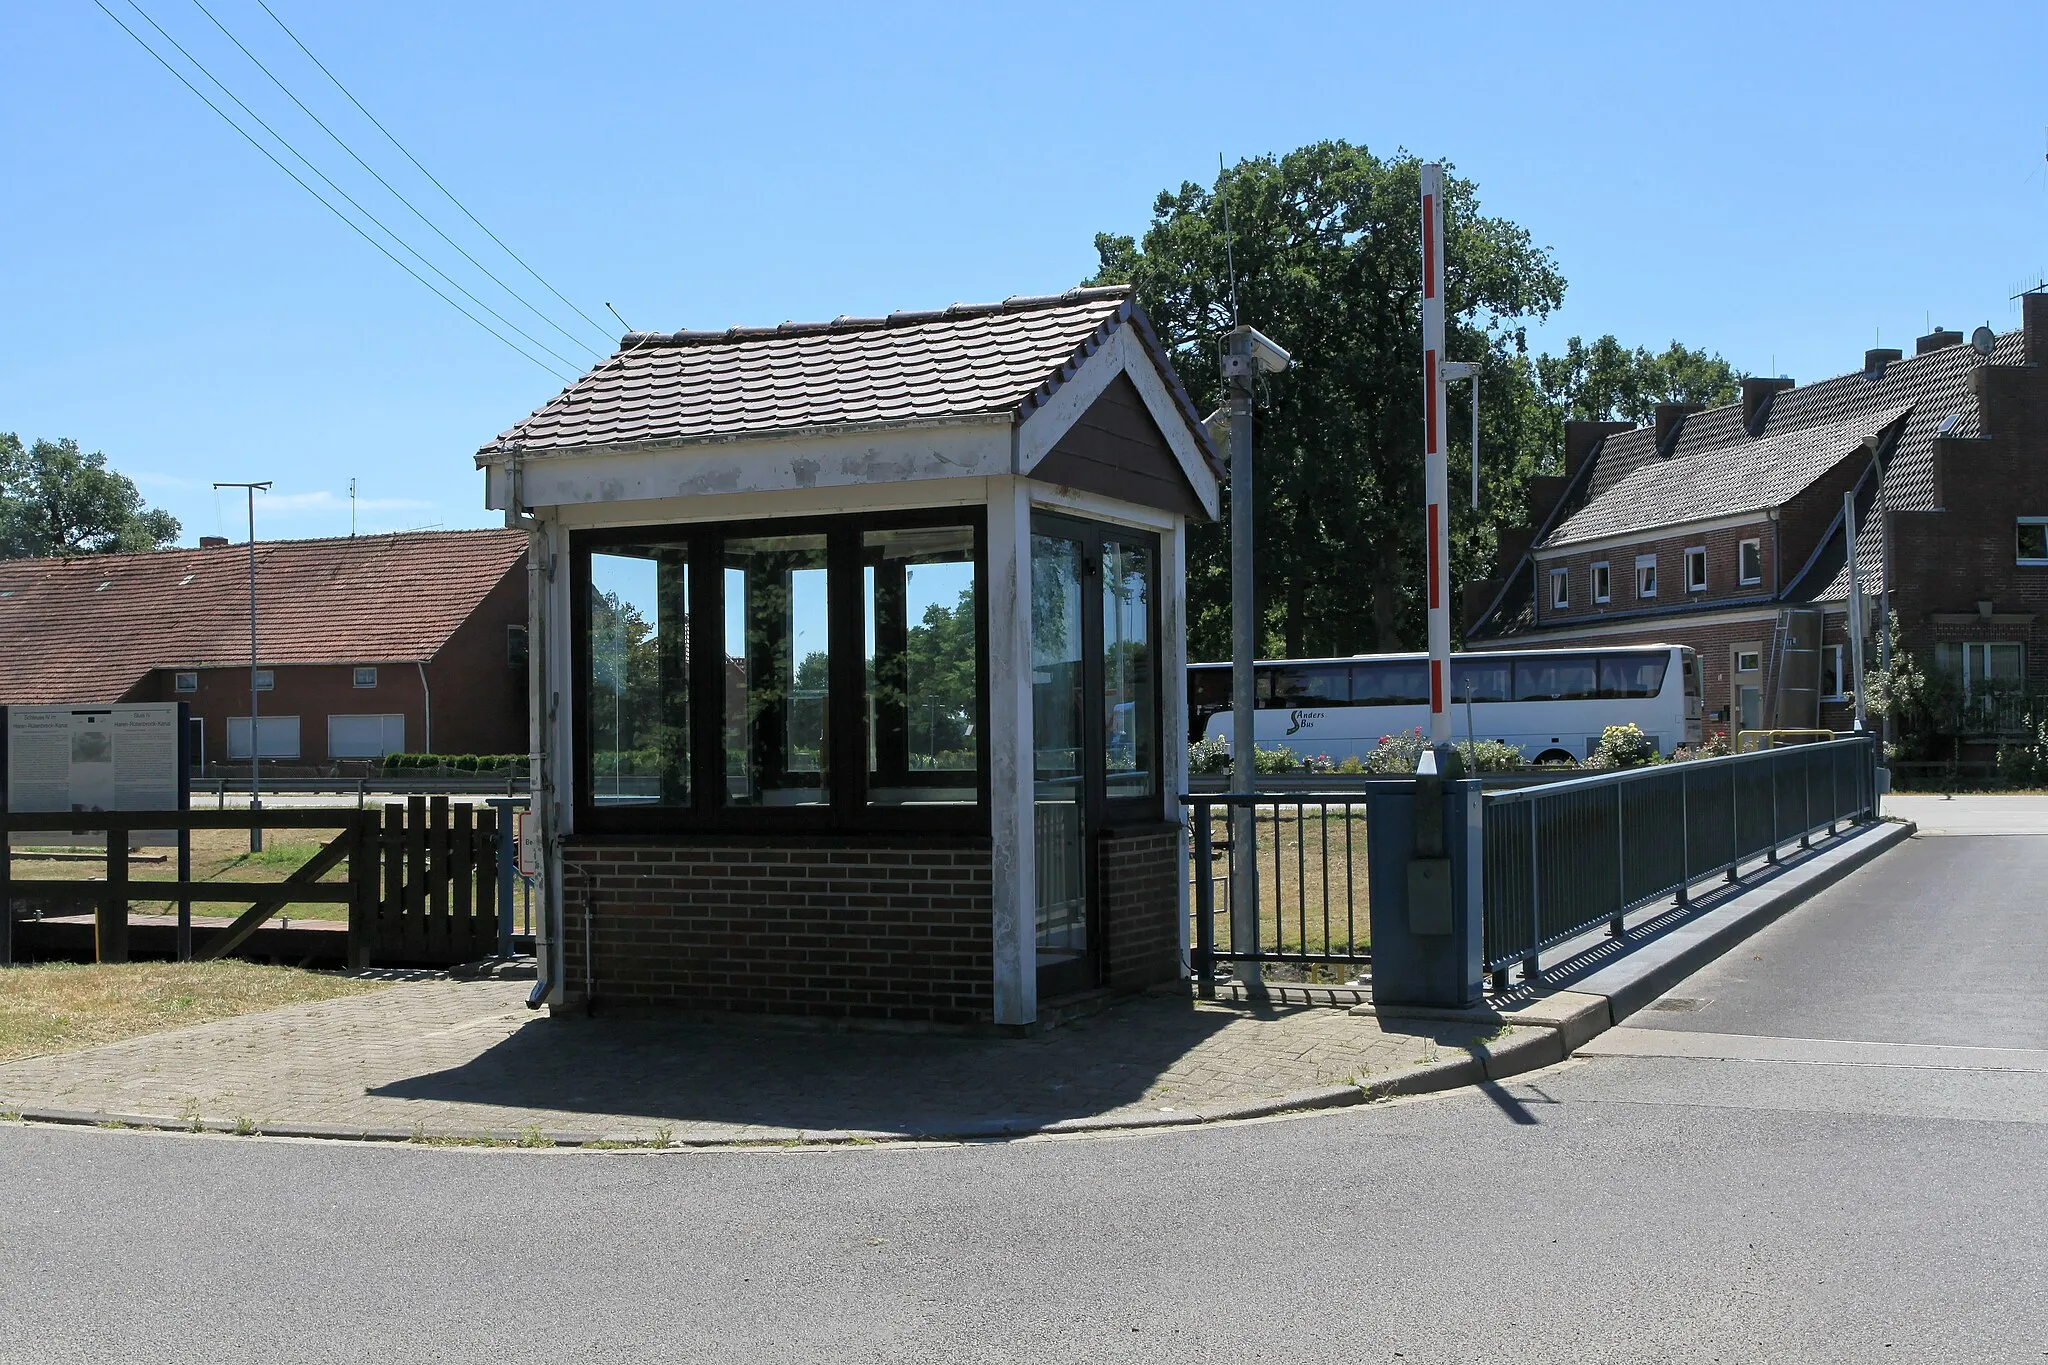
[{"x": 1117, "y": 450}]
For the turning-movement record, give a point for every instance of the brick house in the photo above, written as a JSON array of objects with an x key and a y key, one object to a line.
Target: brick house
[
  {"x": 858, "y": 635},
  {"x": 366, "y": 645},
  {"x": 1706, "y": 527}
]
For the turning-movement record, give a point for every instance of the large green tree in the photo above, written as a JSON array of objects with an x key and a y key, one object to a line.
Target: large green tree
[
  {"x": 1327, "y": 260},
  {"x": 57, "y": 500}
]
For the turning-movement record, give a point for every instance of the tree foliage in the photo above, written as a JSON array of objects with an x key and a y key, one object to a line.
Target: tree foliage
[
  {"x": 1328, "y": 256},
  {"x": 57, "y": 500}
]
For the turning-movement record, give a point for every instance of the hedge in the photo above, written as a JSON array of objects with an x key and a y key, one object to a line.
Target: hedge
[{"x": 461, "y": 763}]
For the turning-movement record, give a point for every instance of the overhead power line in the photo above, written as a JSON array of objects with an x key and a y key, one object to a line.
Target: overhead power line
[
  {"x": 389, "y": 135},
  {"x": 325, "y": 203},
  {"x": 395, "y": 193},
  {"x": 328, "y": 180}
]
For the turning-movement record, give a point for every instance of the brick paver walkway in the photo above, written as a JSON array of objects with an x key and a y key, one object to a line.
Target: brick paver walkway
[{"x": 448, "y": 1058}]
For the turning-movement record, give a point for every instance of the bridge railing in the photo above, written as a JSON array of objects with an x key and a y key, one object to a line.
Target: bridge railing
[{"x": 1564, "y": 858}]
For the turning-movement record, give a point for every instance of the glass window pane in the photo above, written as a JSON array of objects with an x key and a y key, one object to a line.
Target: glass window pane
[
  {"x": 2006, "y": 662},
  {"x": 1632, "y": 675},
  {"x": 1322, "y": 685},
  {"x": 1057, "y": 758},
  {"x": 637, "y": 732},
  {"x": 1752, "y": 561},
  {"x": 2033, "y": 540},
  {"x": 923, "y": 665},
  {"x": 1130, "y": 713},
  {"x": 1480, "y": 679},
  {"x": 1563, "y": 678},
  {"x": 777, "y": 671}
]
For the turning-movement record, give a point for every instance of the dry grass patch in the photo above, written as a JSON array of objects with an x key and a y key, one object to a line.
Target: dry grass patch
[{"x": 61, "y": 1007}]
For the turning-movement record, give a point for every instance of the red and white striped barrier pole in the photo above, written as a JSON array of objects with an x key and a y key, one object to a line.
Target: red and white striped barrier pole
[{"x": 1435, "y": 474}]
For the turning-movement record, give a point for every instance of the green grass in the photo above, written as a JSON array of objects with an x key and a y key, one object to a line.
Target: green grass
[{"x": 1310, "y": 856}]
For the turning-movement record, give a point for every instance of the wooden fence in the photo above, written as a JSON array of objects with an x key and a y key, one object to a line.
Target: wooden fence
[{"x": 420, "y": 881}]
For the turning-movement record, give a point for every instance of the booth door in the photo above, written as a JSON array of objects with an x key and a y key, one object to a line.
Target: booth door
[{"x": 1094, "y": 711}]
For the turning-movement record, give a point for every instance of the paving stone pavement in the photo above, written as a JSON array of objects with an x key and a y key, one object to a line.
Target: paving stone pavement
[{"x": 456, "y": 1059}]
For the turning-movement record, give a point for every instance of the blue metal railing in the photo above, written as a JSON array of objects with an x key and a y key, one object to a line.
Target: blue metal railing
[{"x": 1565, "y": 858}]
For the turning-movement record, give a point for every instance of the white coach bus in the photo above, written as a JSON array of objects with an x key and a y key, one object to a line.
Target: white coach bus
[{"x": 1552, "y": 704}]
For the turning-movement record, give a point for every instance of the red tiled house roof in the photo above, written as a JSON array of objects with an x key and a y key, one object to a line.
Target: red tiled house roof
[{"x": 88, "y": 629}]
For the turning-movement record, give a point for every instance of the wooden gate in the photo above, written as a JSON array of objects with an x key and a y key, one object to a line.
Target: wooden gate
[{"x": 427, "y": 885}]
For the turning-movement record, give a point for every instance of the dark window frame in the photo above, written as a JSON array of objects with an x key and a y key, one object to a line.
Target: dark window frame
[
  {"x": 1115, "y": 811},
  {"x": 707, "y": 812}
]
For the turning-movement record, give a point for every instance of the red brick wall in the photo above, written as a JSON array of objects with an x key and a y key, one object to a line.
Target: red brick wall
[
  {"x": 1722, "y": 547},
  {"x": 1944, "y": 563},
  {"x": 479, "y": 697},
  {"x": 870, "y": 931},
  {"x": 1140, "y": 879}
]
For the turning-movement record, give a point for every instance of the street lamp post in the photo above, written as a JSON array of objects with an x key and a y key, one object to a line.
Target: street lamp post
[{"x": 255, "y": 742}]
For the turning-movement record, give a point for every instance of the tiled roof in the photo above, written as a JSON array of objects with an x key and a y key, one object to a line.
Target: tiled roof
[
  {"x": 87, "y": 629},
  {"x": 1936, "y": 386},
  {"x": 1746, "y": 475},
  {"x": 960, "y": 361}
]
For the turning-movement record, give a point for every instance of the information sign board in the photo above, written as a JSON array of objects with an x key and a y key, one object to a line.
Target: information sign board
[{"x": 119, "y": 757}]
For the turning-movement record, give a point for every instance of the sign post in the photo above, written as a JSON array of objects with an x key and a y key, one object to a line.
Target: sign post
[{"x": 1435, "y": 473}]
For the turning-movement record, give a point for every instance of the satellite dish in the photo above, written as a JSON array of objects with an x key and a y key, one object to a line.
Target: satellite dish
[{"x": 1982, "y": 340}]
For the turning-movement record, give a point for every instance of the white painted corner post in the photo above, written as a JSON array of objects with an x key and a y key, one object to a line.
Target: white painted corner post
[{"x": 1012, "y": 866}]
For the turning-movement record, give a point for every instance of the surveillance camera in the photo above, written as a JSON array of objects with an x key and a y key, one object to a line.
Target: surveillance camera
[{"x": 1246, "y": 350}]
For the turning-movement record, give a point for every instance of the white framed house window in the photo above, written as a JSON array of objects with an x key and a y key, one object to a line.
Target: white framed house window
[
  {"x": 279, "y": 734},
  {"x": 1602, "y": 585},
  {"x": 1696, "y": 569},
  {"x": 1646, "y": 575},
  {"x": 2030, "y": 540},
  {"x": 1748, "y": 660},
  {"x": 1983, "y": 667},
  {"x": 366, "y": 677},
  {"x": 1560, "y": 588},
  {"x": 1750, "y": 562},
  {"x": 1833, "y": 685},
  {"x": 185, "y": 682},
  {"x": 365, "y": 736},
  {"x": 265, "y": 682}
]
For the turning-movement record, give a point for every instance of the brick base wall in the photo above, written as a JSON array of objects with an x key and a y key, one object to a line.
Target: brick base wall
[
  {"x": 871, "y": 932},
  {"x": 1140, "y": 881}
]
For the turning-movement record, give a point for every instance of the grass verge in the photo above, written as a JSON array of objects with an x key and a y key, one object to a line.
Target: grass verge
[{"x": 63, "y": 1007}]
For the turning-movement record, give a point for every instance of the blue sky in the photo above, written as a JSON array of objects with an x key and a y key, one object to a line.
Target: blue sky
[{"x": 1784, "y": 184}]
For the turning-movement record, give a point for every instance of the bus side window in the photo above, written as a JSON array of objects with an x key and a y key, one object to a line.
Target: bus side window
[
  {"x": 1324, "y": 685},
  {"x": 1402, "y": 683},
  {"x": 1556, "y": 678},
  {"x": 1480, "y": 680},
  {"x": 1632, "y": 675}
]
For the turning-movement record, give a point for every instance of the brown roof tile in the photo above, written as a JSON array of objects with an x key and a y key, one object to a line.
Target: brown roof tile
[
  {"x": 87, "y": 629},
  {"x": 954, "y": 362}
]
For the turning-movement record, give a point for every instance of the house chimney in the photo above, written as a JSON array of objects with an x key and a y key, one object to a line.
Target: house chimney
[
  {"x": 1936, "y": 340},
  {"x": 213, "y": 542},
  {"x": 1670, "y": 417},
  {"x": 1874, "y": 361},
  {"x": 2034, "y": 325},
  {"x": 1756, "y": 400}
]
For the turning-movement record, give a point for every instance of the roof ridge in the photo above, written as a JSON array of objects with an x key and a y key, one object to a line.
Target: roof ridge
[
  {"x": 1016, "y": 303},
  {"x": 241, "y": 546}
]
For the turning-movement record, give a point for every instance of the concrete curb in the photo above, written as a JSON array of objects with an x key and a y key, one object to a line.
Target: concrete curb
[{"x": 1547, "y": 1030}]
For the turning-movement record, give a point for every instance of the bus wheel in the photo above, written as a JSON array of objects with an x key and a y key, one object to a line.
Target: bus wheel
[{"x": 1556, "y": 756}]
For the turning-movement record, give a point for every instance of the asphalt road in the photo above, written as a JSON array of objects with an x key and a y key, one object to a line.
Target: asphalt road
[{"x": 1796, "y": 1160}]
